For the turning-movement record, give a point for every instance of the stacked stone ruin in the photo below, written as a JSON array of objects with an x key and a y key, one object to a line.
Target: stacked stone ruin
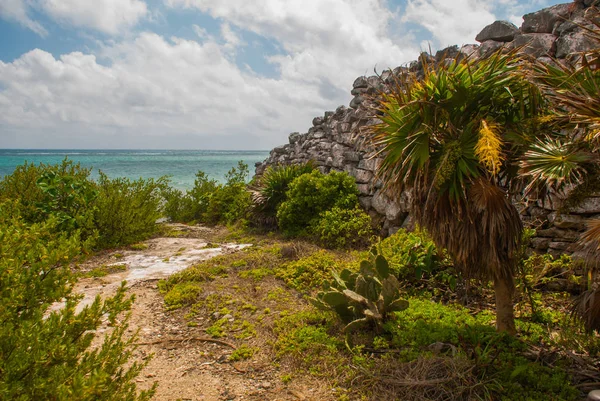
[{"x": 337, "y": 140}]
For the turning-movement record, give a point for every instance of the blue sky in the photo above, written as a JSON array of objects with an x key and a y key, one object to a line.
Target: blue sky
[{"x": 212, "y": 74}]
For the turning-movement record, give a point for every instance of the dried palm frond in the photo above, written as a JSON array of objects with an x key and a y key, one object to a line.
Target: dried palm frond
[
  {"x": 590, "y": 242},
  {"x": 587, "y": 309}
]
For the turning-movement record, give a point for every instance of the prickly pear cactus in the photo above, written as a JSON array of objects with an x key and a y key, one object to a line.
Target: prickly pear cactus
[{"x": 363, "y": 299}]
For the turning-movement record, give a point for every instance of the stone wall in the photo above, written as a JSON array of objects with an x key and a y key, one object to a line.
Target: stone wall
[{"x": 337, "y": 139}]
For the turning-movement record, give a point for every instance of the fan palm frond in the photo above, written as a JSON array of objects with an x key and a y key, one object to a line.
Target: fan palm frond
[{"x": 553, "y": 164}]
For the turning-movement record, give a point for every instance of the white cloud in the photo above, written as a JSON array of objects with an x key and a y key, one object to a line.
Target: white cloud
[
  {"x": 450, "y": 22},
  {"x": 201, "y": 32},
  {"x": 232, "y": 40},
  {"x": 155, "y": 93},
  {"x": 326, "y": 41},
  {"x": 108, "y": 16},
  {"x": 17, "y": 10}
]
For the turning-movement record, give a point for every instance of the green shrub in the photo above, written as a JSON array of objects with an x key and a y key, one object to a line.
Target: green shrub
[
  {"x": 106, "y": 213},
  {"x": 412, "y": 254},
  {"x": 340, "y": 228},
  {"x": 312, "y": 194},
  {"x": 63, "y": 191},
  {"x": 191, "y": 205},
  {"x": 48, "y": 355},
  {"x": 272, "y": 189},
  {"x": 209, "y": 202},
  {"x": 231, "y": 202},
  {"x": 126, "y": 211},
  {"x": 241, "y": 353}
]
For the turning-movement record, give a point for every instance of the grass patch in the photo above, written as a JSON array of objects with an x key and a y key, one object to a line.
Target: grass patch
[
  {"x": 182, "y": 294},
  {"x": 103, "y": 271},
  {"x": 243, "y": 352}
]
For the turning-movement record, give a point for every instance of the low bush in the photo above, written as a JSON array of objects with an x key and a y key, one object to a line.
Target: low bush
[
  {"x": 341, "y": 228},
  {"x": 272, "y": 188},
  {"x": 48, "y": 355},
  {"x": 312, "y": 194},
  {"x": 412, "y": 255},
  {"x": 210, "y": 202},
  {"x": 63, "y": 191},
  {"x": 231, "y": 202},
  {"x": 126, "y": 211}
]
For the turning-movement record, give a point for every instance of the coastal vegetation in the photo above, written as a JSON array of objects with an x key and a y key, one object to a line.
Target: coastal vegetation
[{"x": 407, "y": 317}]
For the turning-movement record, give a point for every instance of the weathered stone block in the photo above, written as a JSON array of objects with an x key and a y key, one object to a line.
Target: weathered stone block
[
  {"x": 499, "y": 31},
  {"x": 588, "y": 206},
  {"x": 558, "y": 234},
  {"x": 365, "y": 189},
  {"x": 488, "y": 47},
  {"x": 365, "y": 202},
  {"x": 566, "y": 220},
  {"x": 362, "y": 176},
  {"x": 371, "y": 164},
  {"x": 536, "y": 44},
  {"x": 543, "y": 21},
  {"x": 356, "y": 102},
  {"x": 360, "y": 82},
  {"x": 561, "y": 246},
  {"x": 574, "y": 42},
  {"x": 352, "y": 156},
  {"x": 540, "y": 244}
]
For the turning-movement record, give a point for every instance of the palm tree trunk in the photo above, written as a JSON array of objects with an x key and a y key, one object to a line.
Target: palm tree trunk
[{"x": 505, "y": 318}]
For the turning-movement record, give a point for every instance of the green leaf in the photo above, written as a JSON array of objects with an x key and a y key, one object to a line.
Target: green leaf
[
  {"x": 366, "y": 268},
  {"x": 398, "y": 305},
  {"x": 319, "y": 304},
  {"x": 334, "y": 298},
  {"x": 356, "y": 325},
  {"x": 382, "y": 266},
  {"x": 353, "y": 296}
]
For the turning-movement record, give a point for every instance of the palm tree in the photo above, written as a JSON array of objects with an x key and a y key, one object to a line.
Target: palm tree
[{"x": 455, "y": 138}]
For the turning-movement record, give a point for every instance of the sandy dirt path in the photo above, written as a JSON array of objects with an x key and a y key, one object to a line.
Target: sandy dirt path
[{"x": 186, "y": 369}]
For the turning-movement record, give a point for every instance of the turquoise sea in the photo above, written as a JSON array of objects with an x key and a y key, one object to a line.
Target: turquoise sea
[{"x": 181, "y": 165}]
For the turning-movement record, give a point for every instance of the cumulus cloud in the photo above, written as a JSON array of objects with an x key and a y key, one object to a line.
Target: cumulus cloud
[
  {"x": 455, "y": 22},
  {"x": 177, "y": 91},
  {"x": 147, "y": 90},
  {"x": 326, "y": 41},
  {"x": 164, "y": 91},
  {"x": 108, "y": 16},
  {"x": 17, "y": 10}
]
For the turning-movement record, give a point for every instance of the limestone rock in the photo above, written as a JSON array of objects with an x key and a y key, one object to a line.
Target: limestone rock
[
  {"x": 356, "y": 102},
  {"x": 488, "y": 47},
  {"x": 566, "y": 221},
  {"x": 294, "y": 137},
  {"x": 360, "y": 82},
  {"x": 588, "y": 206},
  {"x": 536, "y": 44},
  {"x": 499, "y": 31},
  {"x": 574, "y": 42},
  {"x": 544, "y": 21}
]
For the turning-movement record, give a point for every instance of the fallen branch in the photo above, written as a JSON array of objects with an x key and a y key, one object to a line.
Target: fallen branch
[{"x": 181, "y": 340}]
